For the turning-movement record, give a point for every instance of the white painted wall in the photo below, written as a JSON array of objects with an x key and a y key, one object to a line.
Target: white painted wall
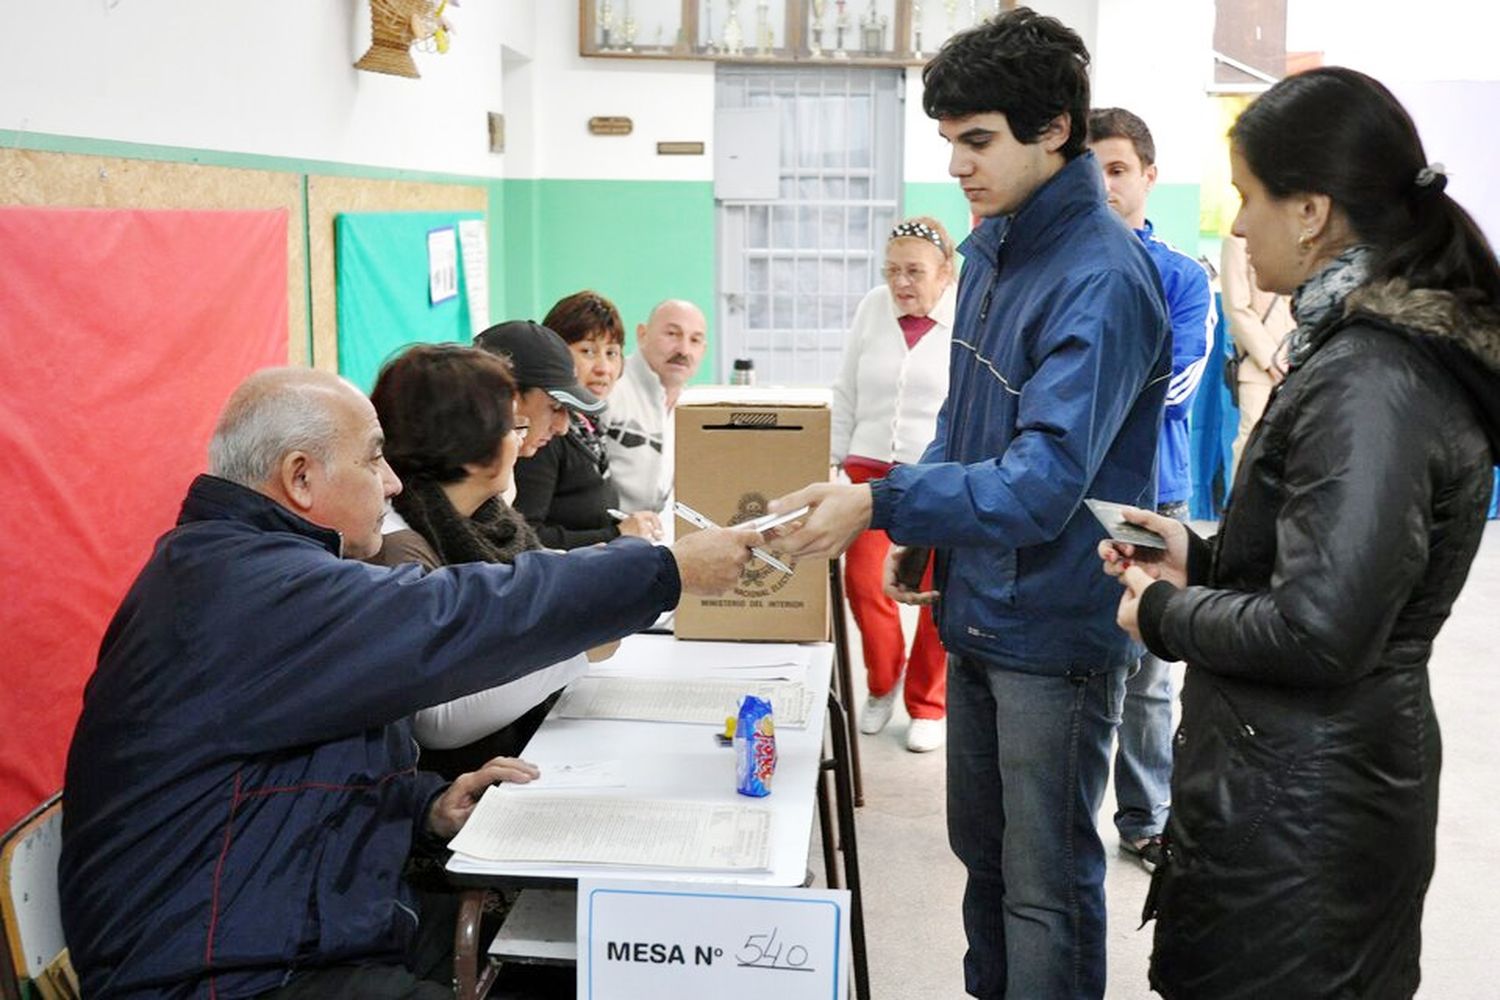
[
  {"x": 1155, "y": 58},
  {"x": 1396, "y": 40},
  {"x": 272, "y": 77},
  {"x": 558, "y": 91}
]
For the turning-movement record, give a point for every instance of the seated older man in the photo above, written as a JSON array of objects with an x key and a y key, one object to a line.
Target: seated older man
[{"x": 242, "y": 789}]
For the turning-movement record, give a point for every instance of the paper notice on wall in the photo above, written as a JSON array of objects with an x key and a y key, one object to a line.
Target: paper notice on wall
[
  {"x": 475, "y": 247},
  {"x": 442, "y": 264}
]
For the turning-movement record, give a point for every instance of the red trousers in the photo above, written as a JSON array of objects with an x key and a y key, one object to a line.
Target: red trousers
[{"x": 879, "y": 623}]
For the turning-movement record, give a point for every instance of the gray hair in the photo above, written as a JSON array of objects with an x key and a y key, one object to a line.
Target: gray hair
[{"x": 273, "y": 412}]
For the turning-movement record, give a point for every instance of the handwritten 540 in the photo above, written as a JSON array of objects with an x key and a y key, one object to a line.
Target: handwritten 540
[{"x": 766, "y": 951}]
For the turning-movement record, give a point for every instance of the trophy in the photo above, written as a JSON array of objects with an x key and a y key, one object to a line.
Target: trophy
[
  {"x": 734, "y": 39},
  {"x": 916, "y": 29},
  {"x": 606, "y": 23},
  {"x": 765, "y": 39},
  {"x": 818, "y": 7},
  {"x": 872, "y": 31},
  {"x": 627, "y": 30},
  {"x": 840, "y": 25}
]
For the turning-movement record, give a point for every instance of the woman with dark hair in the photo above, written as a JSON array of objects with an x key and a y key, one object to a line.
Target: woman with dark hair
[
  {"x": 564, "y": 490},
  {"x": 1305, "y": 778},
  {"x": 452, "y": 437}
]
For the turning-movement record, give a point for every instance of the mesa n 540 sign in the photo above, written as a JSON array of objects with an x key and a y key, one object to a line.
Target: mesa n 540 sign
[{"x": 668, "y": 939}]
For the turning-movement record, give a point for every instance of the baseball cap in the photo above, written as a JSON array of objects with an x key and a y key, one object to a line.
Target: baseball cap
[{"x": 541, "y": 360}]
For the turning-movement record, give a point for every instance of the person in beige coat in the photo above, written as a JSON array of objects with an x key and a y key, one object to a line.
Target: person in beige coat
[{"x": 1258, "y": 323}]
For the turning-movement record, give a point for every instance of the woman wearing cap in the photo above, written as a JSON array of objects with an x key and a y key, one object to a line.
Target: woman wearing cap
[
  {"x": 1305, "y": 772},
  {"x": 564, "y": 489},
  {"x": 451, "y": 436},
  {"x": 885, "y": 404}
]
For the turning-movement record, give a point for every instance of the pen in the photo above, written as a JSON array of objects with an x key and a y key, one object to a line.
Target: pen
[
  {"x": 697, "y": 520},
  {"x": 618, "y": 515}
]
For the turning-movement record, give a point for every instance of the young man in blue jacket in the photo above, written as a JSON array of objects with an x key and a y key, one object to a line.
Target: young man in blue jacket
[
  {"x": 242, "y": 788},
  {"x": 1122, "y": 144},
  {"x": 1058, "y": 374}
]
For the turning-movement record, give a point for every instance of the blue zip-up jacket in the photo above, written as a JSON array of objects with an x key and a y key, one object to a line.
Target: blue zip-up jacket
[
  {"x": 1190, "y": 303},
  {"x": 242, "y": 787},
  {"x": 1059, "y": 371}
]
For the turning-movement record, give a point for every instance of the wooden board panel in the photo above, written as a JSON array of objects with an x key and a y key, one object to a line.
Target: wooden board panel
[
  {"x": 329, "y": 196},
  {"x": 74, "y": 180}
]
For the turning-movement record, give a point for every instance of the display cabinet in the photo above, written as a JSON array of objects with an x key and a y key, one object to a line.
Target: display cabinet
[{"x": 852, "y": 32}]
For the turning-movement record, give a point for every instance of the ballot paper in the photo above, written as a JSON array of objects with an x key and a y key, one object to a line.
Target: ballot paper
[
  {"x": 562, "y": 829},
  {"x": 574, "y": 774},
  {"x": 664, "y": 656},
  {"x": 662, "y": 700}
]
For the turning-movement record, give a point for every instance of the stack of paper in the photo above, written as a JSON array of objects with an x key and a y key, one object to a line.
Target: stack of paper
[
  {"x": 557, "y": 829},
  {"x": 664, "y": 656},
  {"x": 661, "y": 700}
]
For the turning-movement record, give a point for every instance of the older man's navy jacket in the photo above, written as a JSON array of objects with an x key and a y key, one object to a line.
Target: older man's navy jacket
[
  {"x": 1059, "y": 367},
  {"x": 242, "y": 788}
]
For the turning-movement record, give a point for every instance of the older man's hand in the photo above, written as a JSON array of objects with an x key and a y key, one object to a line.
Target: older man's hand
[
  {"x": 450, "y": 810},
  {"x": 839, "y": 513},
  {"x": 710, "y": 561}
]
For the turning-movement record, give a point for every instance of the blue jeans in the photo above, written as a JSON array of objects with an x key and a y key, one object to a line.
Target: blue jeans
[
  {"x": 1143, "y": 761},
  {"x": 1028, "y": 759}
]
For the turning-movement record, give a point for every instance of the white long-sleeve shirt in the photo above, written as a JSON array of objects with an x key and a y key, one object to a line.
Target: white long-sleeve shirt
[{"x": 887, "y": 397}]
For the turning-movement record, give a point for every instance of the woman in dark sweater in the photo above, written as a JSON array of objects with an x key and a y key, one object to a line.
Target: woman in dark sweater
[
  {"x": 451, "y": 434},
  {"x": 564, "y": 490}
]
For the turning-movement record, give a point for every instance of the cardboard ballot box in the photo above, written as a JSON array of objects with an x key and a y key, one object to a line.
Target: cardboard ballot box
[{"x": 739, "y": 447}]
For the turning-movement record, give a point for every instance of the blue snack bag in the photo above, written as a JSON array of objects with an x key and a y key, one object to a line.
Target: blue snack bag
[{"x": 754, "y": 747}]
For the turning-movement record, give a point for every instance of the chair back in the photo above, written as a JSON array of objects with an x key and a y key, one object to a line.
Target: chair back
[{"x": 30, "y": 916}]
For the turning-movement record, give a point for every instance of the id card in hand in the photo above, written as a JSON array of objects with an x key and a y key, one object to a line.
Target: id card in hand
[{"x": 1121, "y": 530}]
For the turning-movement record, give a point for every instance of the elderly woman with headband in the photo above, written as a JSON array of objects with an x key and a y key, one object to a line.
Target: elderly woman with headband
[
  {"x": 885, "y": 404},
  {"x": 1305, "y": 775}
]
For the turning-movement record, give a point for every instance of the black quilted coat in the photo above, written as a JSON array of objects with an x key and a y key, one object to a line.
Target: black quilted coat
[{"x": 1304, "y": 793}]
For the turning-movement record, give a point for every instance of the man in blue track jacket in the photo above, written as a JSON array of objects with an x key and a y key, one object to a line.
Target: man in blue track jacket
[
  {"x": 242, "y": 787},
  {"x": 1058, "y": 373},
  {"x": 1122, "y": 144}
]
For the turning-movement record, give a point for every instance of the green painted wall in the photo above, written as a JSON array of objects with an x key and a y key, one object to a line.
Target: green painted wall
[
  {"x": 1173, "y": 209},
  {"x": 636, "y": 242},
  {"x": 944, "y": 202}
]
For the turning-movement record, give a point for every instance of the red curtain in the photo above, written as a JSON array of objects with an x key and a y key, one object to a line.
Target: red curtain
[{"x": 121, "y": 335}]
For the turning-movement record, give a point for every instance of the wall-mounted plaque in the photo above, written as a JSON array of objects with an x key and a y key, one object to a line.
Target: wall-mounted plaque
[
  {"x": 679, "y": 149},
  {"x": 610, "y": 125}
]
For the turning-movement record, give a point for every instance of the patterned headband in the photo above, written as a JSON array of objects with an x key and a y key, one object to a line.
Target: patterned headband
[{"x": 921, "y": 231}]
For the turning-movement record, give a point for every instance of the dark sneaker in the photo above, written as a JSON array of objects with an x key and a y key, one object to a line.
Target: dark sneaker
[{"x": 1147, "y": 851}]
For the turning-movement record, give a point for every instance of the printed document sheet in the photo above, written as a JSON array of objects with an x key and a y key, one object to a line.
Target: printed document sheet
[
  {"x": 560, "y": 829},
  {"x": 660, "y": 700},
  {"x": 664, "y": 656}
]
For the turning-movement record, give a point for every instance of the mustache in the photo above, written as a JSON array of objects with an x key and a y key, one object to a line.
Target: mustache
[{"x": 679, "y": 359}]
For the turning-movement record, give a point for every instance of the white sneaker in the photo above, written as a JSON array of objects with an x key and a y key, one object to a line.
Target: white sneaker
[
  {"x": 926, "y": 734},
  {"x": 877, "y": 712}
]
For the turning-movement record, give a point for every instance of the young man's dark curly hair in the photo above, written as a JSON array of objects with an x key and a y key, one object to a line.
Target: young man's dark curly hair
[{"x": 1028, "y": 67}]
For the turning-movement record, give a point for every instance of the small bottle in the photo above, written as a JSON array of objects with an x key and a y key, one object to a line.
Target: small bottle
[{"x": 743, "y": 373}]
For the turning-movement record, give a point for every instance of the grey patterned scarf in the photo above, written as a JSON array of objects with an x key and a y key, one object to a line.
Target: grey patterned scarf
[{"x": 1320, "y": 295}]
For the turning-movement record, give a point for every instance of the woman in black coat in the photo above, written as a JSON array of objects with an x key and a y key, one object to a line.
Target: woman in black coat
[{"x": 1304, "y": 793}]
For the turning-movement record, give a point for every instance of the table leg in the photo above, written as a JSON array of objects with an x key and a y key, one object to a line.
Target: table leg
[
  {"x": 849, "y": 842},
  {"x": 843, "y": 672}
]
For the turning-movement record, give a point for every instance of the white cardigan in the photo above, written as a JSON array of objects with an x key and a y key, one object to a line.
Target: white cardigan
[{"x": 886, "y": 399}]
